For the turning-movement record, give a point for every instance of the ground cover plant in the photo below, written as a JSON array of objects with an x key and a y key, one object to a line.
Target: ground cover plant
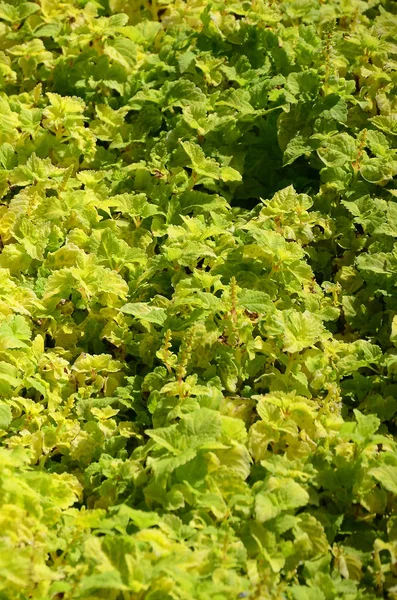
[{"x": 198, "y": 300}]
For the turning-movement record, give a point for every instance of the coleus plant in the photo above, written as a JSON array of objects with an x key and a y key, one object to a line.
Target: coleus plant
[{"x": 198, "y": 302}]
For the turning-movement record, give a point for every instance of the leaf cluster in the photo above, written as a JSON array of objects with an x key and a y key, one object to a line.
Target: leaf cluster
[{"x": 198, "y": 301}]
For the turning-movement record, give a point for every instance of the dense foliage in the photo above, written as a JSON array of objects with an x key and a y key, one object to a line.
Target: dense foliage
[{"x": 198, "y": 301}]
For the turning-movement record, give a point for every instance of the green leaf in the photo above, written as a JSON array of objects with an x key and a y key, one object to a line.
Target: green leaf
[
  {"x": 376, "y": 170},
  {"x": 208, "y": 167},
  {"x": 302, "y": 592},
  {"x": 110, "y": 580},
  {"x": 301, "y": 330},
  {"x": 298, "y": 146},
  {"x": 386, "y": 123},
  {"x": 237, "y": 459},
  {"x": 5, "y": 416},
  {"x": 255, "y": 301},
  {"x": 8, "y": 157},
  {"x": 387, "y": 477},
  {"x": 121, "y": 51},
  {"x": 14, "y": 332},
  {"x": 145, "y": 312},
  {"x": 287, "y": 495},
  {"x": 339, "y": 150}
]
